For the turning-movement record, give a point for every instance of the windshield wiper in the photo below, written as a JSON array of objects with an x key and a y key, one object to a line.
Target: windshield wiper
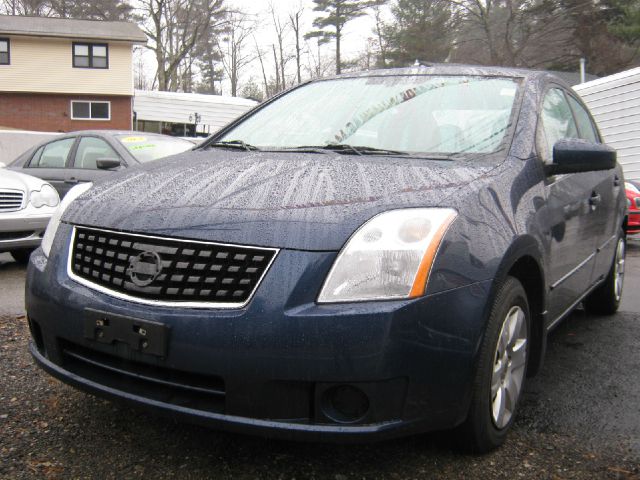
[
  {"x": 232, "y": 144},
  {"x": 346, "y": 148}
]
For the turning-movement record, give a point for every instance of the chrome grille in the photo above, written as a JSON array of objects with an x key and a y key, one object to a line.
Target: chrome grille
[
  {"x": 168, "y": 271},
  {"x": 11, "y": 200}
]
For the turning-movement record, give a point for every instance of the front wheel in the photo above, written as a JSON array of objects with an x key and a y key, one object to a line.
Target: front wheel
[
  {"x": 501, "y": 371},
  {"x": 605, "y": 299}
]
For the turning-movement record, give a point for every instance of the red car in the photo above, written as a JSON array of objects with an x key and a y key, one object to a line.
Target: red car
[{"x": 633, "y": 202}]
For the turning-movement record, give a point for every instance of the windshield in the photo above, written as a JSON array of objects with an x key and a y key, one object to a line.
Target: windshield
[
  {"x": 146, "y": 148},
  {"x": 415, "y": 114}
]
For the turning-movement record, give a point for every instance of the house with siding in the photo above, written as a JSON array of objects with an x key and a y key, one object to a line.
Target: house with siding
[
  {"x": 614, "y": 102},
  {"x": 61, "y": 75}
]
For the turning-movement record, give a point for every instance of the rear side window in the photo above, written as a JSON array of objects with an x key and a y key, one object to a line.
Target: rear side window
[
  {"x": 586, "y": 129},
  {"x": 90, "y": 149},
  {"x": 52, "y": 155},
  {"x": 557, "y": 122}
]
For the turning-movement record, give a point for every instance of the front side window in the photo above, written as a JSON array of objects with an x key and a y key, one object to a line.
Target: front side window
[
  {"x": 90, "y": 55},
  {"x": 586, "y": 129},
  {"x": 52, "y": 155},
  {"x": 557, "y": 122},
  {"x": 443, "y": 115},
  {"x": 92, "y": 149},
  {"x": 87, "y": 110},
  {"x": 5, "y": 56}
]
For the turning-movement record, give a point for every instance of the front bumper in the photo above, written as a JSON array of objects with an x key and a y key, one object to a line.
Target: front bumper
[
  {"x": 633, "y": 222},
  {"x": 24, "y": 228},
  {"x": 273, "y": 367}
]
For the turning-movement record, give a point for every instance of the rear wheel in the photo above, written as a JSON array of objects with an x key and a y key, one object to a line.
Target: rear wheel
[
  {"x": 21, "y": 256},
  {"x": 605, "y": 299},
  {"x": 501, "y": 371}
]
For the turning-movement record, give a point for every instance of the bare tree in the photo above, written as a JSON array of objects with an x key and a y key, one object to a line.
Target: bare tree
[
  {"x": 317, "y": 65},
  {"x": 259, "y": 55},
  {"x": 35, "y": 8},
  {"x": 233, "y": 47},
  {"x": 278, "y": 87},
  {"x": 175, "y": 27},
  {"x": 141, "y": 81},
  {"x": 294, "y": 21},
  {"x": 527, "y": 33},
  {"x": 280, "y": 28},
  {"x": 379, "y": 28}
]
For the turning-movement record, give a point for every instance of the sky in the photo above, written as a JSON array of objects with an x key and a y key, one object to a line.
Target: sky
[{"x": 353, "y": 42}]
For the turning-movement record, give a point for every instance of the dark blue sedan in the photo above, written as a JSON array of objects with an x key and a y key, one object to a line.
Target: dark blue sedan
[{"x": 361, "y": 257}]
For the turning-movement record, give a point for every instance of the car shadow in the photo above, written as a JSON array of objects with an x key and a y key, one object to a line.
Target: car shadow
[{"x": 8, "y": 264}]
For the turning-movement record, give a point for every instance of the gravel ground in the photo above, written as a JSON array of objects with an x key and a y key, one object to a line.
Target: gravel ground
[{"x": 580, "y": 419}]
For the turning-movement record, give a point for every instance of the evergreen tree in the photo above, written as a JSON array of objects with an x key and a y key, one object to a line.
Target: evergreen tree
[
  {"x": 421, "y": 30},
  {"x": 337, "y": 14}
]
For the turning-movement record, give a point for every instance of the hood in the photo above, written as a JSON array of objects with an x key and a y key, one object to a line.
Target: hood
[
  {"x": 285, "y": 200},
  {"x": 19, "y": 181}
]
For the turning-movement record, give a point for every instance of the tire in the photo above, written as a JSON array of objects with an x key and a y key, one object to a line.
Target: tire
[
  {"x": 605, "y": 299},
  {"x": 21, "y": 256},
  {"x": 501, "y": 371}
]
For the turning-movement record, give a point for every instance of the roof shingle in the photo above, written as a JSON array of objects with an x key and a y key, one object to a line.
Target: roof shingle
[{"x": 71, "y": 28}]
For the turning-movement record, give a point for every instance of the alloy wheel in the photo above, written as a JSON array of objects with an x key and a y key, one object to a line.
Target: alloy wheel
[{"x": 509, "y": 367}]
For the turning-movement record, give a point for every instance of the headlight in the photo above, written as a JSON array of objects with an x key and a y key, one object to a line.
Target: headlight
[
  {"x": 47, "y": 195},
  {"x": 54, "y": 223},
  {"x": 389, "y": 257}
]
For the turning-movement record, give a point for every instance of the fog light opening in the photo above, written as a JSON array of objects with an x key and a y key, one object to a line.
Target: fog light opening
[{"x": 345, "y": 404}]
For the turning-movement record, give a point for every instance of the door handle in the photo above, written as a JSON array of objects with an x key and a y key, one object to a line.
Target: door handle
[
  {"x": 595, "y": 199},
  {"x": 71, "y": 180}
]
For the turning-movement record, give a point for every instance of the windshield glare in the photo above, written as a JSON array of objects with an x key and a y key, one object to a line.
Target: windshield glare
[
  {"x": 146, "y": 148},
  {"x": 416, "y": 114}
]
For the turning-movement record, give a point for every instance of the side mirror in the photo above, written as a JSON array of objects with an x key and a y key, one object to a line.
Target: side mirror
[
  {"x": 575, "y": 156},
  {"x": 108, "y": 163}
]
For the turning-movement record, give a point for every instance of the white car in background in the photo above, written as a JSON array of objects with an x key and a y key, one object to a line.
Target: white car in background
[{"x": 26, "y": 205}]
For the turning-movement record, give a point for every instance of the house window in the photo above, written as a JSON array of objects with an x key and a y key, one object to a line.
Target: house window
[
  {"x": 90, "y": 55},
  {"x": 4, "y": 51},
  {"x": 83, "y": 110}
]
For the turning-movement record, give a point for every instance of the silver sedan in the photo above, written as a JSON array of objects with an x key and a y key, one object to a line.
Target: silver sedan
[{"x": 26, "y": 205}]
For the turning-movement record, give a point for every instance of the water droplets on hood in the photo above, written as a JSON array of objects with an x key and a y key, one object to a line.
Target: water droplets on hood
[{"x": 264, "y": 198}]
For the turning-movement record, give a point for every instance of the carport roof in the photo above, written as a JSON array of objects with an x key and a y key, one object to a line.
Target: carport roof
[{"x": 70, "y": 28}]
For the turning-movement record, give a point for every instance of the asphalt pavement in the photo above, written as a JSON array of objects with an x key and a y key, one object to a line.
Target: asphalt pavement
[{"x": 580, "y": 418}]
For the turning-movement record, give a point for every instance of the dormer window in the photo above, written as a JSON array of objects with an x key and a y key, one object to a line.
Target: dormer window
[
  {"x": 90, "y": 55},
  {"x": 4, "y": 51}
]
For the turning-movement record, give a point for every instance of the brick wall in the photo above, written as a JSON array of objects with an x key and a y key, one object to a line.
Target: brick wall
[{"x": 52, "y": 113}]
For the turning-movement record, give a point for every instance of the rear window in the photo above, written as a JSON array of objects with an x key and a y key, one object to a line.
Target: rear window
[{"x": 146, "y": 148}]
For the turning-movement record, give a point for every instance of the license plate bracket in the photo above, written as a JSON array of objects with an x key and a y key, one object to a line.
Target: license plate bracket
[{"x": 141, "y": 335}]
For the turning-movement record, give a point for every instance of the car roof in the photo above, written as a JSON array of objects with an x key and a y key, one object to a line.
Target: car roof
[
  {"x": 457, "y": 69},
  {"x": 107, "y": 133}
]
